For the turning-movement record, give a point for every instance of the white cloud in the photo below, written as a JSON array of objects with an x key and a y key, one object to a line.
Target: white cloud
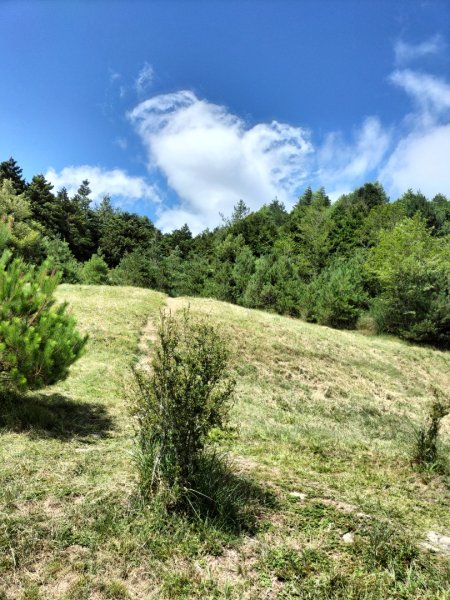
[
  {"x": 144, "y": 79},
  {"x": 405, "y": 52},
  {"x": 341, "y": 166},
  {"x": 212, "y": 158},
  {"x": 430, "y": 94},
  {"x": 420, "y": 158},
  {"x": 115, "y": 183},
  {"x": 420, "y": 161}
]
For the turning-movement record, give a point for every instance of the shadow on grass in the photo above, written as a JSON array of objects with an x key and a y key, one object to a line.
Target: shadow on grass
[
  {"x": 54, "y": 416},
  {"x": 226, "y": 499}
]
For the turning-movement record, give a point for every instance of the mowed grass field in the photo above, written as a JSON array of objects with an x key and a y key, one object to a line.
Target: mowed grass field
[{"x": 323, "y": 425}]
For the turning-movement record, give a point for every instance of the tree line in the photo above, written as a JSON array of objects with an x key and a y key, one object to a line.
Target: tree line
[{"x": 363, "y": 261}]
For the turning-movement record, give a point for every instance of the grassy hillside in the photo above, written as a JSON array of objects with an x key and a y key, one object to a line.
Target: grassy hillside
[{"x": 324, "y": 421}]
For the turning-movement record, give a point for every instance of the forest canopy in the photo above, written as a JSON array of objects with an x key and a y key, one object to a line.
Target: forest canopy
[{"x": 363, "y": 261}]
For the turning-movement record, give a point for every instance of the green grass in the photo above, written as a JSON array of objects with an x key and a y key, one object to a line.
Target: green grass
[{"x": 327, "y": 414}]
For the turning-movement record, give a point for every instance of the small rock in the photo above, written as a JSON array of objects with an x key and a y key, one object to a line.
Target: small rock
[
  {"x": 348, "y": 538},
  {"x": 298, "y": 495},
  {"x": 440, "y": 542}
]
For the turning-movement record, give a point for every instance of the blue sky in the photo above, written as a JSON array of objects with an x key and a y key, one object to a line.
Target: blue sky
[{"x": 178, "y": 109}]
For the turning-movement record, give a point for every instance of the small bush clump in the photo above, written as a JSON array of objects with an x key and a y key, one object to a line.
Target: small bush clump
[
  {"x": 426, "y": 449},
  {"x": 186, "y": 394}
]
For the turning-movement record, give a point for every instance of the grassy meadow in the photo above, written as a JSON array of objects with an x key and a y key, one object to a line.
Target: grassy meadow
[{"x": 322, "y": 432}]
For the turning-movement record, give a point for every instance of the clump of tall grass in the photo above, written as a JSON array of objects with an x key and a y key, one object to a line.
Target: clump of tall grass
[{"x": 426, "y": 451}]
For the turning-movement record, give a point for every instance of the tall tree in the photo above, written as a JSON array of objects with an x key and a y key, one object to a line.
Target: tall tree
[
  {"x": 45, "y": 208},
  {"x": 9, "y": 169}
]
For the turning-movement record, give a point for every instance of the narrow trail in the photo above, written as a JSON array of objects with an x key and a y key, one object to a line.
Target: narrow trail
[{"x": 149, "y": 332}]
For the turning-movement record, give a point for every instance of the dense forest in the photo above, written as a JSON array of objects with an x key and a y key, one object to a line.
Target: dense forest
[{"x": 362, "y": 262}]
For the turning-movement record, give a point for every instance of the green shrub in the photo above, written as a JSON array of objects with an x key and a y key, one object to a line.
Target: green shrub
[
  {"x": 64, "y": 261},
  {"x": 38, "y": 340},
  {"x": 95, "y": 271},
  {"x": 139, "y": 269},
  {"x": 416, "y": 305},
  {"x": 337, "y": 297},
  {"x": 186, "y": 394},
  {"x": 426, "y": 448},
  {"x": 412, "y": 268}
]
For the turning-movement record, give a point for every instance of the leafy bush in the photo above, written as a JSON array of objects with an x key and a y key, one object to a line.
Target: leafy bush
[
  {"x": 186, "y": 394},
  {"x": 95, "y": 271},
  {"x": 426, "y": 449},
  {"x": 38, "y": 340},
  {"x": 139, "y": 269},
  {"x": 59, "y": 253},
  {"x": 337, "y": 297},
  {"x": 275, "y": 285},
  {"x": 413, "y": 271}
]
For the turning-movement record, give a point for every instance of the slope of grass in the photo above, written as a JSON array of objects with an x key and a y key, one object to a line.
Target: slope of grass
[{"x": 324, "y": 421}]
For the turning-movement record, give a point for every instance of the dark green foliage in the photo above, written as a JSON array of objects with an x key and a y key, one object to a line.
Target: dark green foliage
[
  {"x": 122, "y": 233},
  {"x": 222, "y": 284},
  {"x": 187, "y": 393},
  {"x": 302, "y": 262},
  {"x": 94, "y": 271},
  {"x": 337, "y": 297},
  {"x": 60, "y": 256},
  {"x": 413, "y": 271},
  {"x": 79, "y": 226},
  {"x": 45, "y": 208},
  {"x": 140, "y": 269},
  {"x": 38, "y": 340},
  {"x": 180, "y": 239},
  {"x": 275, "y": 285},
  {"x": 259, "y": 230},
  {"x": 9, "y": 169},
  {"x": 426, "y": 448},
  {"x": 309, "y": 229},
  {"x": 416, "y": 306},
  {"x": 348, "y": 216},
  {"x": 441, "y": 209}
]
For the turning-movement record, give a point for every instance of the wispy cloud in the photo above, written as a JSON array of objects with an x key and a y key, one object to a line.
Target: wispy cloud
[
  {"x": 114, "y": 76},
  {"x": 342, "y": 165},
  {"x": 144, "y": 79},
  {"x": 420, "y": 158},
  {"x": 420, "y": 161},
  {"x": 115, "y": 183},
  {"x": 211, "y": 158},
  {"x": 430, "y": 94},
  {"x": 121, "y": 142},
  {"x": 405, "y": 52}
]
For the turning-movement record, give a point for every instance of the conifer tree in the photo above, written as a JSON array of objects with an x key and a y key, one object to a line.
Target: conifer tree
[
  {"x": 38, "y": 340},
  {"x": 9, "y": 169}
]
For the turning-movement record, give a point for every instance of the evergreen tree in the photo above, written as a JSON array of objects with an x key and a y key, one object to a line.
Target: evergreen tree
[
  {"x": 413, "y": 271},
  {"x": 9, "y": 169},
  {"x": 45, "y": 208},
  {"x": 95, "y": 271},
  {"x": 38, "y": 340},
  {"x": 23, "y": 235}
]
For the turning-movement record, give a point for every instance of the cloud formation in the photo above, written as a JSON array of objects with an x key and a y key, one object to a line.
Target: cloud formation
[
  {"x": 420, "y": 158},
  {"x": 144, "y": 79},
  {"x": 420, "y": 161},
  {"x": 115, "y": 183},
  {"x": 405, "y": 52},
  {"x": 340, "y": 165},
  {"x": 212, "y": 158},
  {"x": 430, "y": 94}
]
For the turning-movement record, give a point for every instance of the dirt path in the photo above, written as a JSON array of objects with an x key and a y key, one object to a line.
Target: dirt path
[{"x": 149, "y": 331}]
